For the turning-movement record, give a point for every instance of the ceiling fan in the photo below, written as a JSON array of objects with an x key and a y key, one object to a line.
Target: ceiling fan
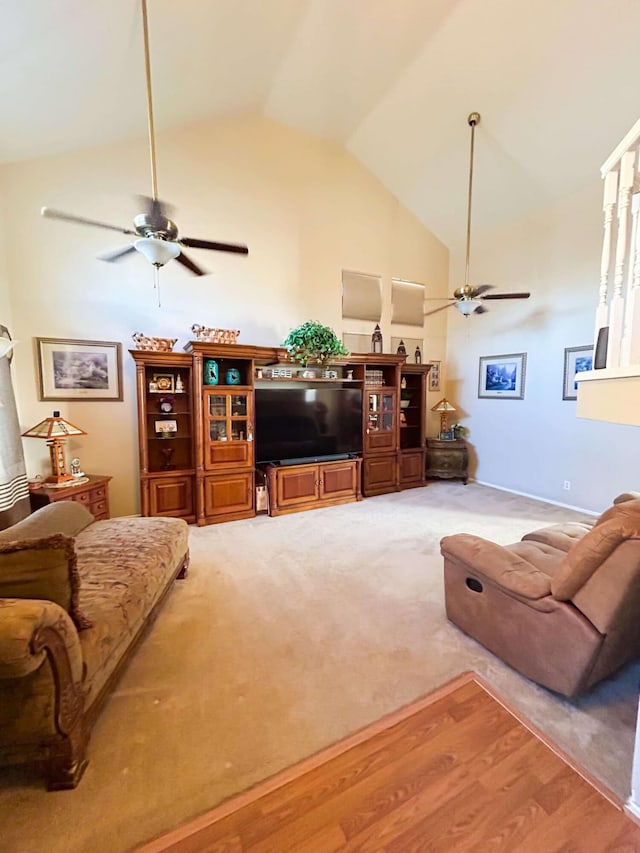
[
  {"x": 468, "y": 299},
  {"x": 158, "y": 238}
]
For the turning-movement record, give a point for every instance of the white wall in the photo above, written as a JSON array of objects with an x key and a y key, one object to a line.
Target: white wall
[
  {"x": 534, "y": 445},
  {"x": 306, "y": 209}
]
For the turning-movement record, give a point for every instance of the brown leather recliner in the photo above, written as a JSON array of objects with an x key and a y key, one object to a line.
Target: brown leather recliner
[{"x": 562, "y": 606}]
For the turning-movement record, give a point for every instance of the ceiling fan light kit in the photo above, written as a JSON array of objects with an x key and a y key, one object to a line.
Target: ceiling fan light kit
[
  {"x": 156, "y": 251},
  {"x": 469, "y": 299},
  {"x": 159, "y": 238}
]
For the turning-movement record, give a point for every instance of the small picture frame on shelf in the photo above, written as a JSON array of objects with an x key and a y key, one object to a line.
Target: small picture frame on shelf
[
  {"x": 163, "y": 427},
  {"x": 164, "y": 382},
  {"x": 446, "y": 435}
]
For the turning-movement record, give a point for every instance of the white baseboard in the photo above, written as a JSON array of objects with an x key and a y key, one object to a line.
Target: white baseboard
[{"x": 538, "y": 498}]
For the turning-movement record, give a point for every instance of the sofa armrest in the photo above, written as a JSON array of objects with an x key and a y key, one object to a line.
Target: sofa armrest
[
  {"x": 31, "y": 629},
  {"x": 66, "y": 517},
  {"x": 496, "y": 564}
]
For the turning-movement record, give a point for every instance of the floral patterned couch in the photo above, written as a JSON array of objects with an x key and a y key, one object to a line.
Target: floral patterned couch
[{"x": 75, "y": 596}]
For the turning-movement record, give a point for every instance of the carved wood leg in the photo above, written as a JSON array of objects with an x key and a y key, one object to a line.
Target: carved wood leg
[
  {"x": 184, "y": 568},
  {"x": 67, "y": 759}
]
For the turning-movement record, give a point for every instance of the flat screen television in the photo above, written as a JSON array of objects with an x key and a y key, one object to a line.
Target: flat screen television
[{"x": 307, "y": 424}]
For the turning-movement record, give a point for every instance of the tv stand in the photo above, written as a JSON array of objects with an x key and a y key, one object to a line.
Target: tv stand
[{"x": 310, "y": 485}]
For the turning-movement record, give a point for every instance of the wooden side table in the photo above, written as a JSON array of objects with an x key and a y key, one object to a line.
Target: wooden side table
[
  {"x": 94, "y": 494},
  {"x": 447, "y": 459}
]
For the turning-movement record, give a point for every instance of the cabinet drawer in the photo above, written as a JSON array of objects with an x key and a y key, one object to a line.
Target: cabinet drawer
[
  {"x": 82, "y": 498},
  {"x": 99, "y": 508}
]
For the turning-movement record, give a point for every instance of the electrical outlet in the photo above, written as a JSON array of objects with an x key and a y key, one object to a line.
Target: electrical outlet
[{"x": 566, "y": 485}]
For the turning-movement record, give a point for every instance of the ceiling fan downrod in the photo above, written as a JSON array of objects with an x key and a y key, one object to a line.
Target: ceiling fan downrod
[
  {"x": 472, "y": 120},
  {"x": 147, "y": 71}
]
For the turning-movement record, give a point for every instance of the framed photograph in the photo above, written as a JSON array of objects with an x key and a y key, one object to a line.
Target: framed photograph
[
  {"x": 164, "y": 382},
  {"x": 502, "y": 376},
  {"x": 79, "y": 370},
  {"x": 434, "y": 376},
  {"x": 166, "y": 426},
  {"x": 447, "y": 435},
  {"x": 576, "y": 359}
]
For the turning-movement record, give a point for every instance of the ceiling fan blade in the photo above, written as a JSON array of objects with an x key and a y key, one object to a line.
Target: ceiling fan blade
[
  {"x": 482, "y": 288},
  {"x": 82, "y": 220},
  {"x": 189, "y": 264},
  {"x": 191, "y": 243},
  {"x": 507, "y": 296},
  {"x": 441, "y": 308},
  {"x": 117, "y": 254}
]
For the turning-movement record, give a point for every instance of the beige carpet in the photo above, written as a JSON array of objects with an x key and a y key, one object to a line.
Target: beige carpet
[{"x": 289, "y": 634}]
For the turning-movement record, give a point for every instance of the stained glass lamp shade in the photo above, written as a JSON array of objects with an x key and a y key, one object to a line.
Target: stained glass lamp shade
[
  {"x": 54, "y": 430},
  {"x": 443, "y": 408}
]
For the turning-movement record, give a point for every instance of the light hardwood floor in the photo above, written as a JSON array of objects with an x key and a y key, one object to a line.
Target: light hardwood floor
[{"x": 456, "y": 771}]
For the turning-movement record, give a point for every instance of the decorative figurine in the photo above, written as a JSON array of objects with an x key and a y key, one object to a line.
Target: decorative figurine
[
  {"x": 402, "y": 350},
  {"x": 376, "y": 339},
  {"x": 418, "y": 356},
  {"x": 210, "y": 371},
  {"x": 179, "y": 384},
  {"x": 75, "y": 468}
]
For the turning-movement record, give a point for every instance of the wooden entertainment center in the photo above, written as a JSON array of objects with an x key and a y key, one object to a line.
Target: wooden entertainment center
[{"x": 196, "y": 429}]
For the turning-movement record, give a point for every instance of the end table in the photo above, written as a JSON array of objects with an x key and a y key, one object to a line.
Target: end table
[
  {"x": 92, "y": 492},
  {"x": 447, "y": 459}
]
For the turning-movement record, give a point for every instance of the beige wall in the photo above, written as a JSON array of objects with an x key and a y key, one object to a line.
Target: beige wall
[
  {"x": 534, "y": 445},
  {"x": 305, "y": 208}
]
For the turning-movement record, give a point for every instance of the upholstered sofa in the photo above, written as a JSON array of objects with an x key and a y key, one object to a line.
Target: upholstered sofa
[
  {"x": 562, "y": 606},
  {"x": 75, "y": 597}
]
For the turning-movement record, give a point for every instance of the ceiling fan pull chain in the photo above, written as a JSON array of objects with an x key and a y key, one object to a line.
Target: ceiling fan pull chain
[{"x": 156, "y": 284}]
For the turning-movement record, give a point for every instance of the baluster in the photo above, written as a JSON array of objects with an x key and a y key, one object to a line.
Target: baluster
[
  {"x": 616, "y": 307},
  {"x": 631, "y": 332},
  {"x": 609, "y": 202}
]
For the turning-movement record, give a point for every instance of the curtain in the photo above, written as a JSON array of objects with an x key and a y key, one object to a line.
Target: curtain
[{"x": 14, "y": 491}]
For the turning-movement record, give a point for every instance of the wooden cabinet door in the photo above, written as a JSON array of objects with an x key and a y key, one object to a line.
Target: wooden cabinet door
[
  {"x": 338, "y": 480},
  {"x": 412, "y": 467},
  {"x": 229, "y": 495},
  {"x": 380, "y": 474},
  {"x": 297, "y": 485},
  {"x": 381, "y": 421},
  {"x": 228, "y": 428},
  {"x": 171, "y": 496}
]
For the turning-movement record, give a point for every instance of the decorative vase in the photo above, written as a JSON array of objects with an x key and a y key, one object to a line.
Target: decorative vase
[
  {"x": 210, "y": 371},
  {"x": 233, "y": 376}
]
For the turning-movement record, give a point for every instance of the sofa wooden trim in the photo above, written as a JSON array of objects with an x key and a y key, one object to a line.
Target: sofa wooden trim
[{"x": 67, "y": 758}]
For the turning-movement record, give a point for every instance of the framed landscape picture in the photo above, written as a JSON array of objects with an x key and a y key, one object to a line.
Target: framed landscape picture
[
  {"x": 576, "y": 359},
  {"x": 79, "y": 370},
  {"x": 502, "y": 376}
]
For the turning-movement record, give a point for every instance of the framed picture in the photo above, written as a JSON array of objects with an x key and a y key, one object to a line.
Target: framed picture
[
  {"x": 446, "y": 435},
  {"x": 576, "y": 359},
  {"x": 502, "y": 376},
  {"x": 79, "y": 370},
  {"x": 166, "y": 426},
  {"x": 434, "y": 376},
  {"x": 164, "y": 382}
]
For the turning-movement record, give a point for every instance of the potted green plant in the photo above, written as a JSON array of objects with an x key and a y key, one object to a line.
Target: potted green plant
[{"x": 312, "y": 342}]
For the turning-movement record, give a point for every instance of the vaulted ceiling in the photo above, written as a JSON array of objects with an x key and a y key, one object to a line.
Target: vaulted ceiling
[{"x": 556, "y": 82}]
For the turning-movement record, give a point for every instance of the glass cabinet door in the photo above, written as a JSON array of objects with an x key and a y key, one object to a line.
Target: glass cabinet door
[
  {"x": 228, "y": 428},
  {"x": 381, "y": 420},
  {"x": 381, "y": 409}
]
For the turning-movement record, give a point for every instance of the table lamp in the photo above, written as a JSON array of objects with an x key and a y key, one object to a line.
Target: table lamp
[
  {"x": 443, "y": 408},
  {"x": 55, "y": 430}
]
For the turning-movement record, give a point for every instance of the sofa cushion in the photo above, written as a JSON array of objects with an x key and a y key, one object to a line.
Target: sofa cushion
[
  {"x": 561, "y": 536},
  {"x": 593, "y": 549},
  {"x": 42, "y": 569},
  {"x": 66, "y": 517}
]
